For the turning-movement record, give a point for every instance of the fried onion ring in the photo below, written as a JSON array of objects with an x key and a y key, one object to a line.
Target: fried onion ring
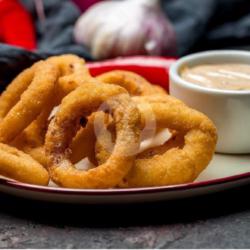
[
  {"x": 71, "y": 66},
  {"x": 82, "y": 102},
  {"x": 83, "y": 145},
  {"x": 14, "y": 90},
  {"x": 135, "y": 84},
  {"x": 31, "y": 103},
  {"x": 177, "y": 165},
  {"x": 31, "y": 140},
  {"x": 20, "y": 166}
]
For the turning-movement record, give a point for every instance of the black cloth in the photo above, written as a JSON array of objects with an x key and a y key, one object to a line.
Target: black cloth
[
  {"x": 55, "y": 36},
  {"x": 209, "y": 24}
]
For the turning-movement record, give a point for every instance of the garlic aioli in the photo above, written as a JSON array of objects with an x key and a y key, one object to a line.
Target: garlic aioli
[{"x": 219, "y": 76}]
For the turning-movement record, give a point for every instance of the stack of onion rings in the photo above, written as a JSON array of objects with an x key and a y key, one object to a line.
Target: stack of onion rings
[{"x": 54, "y": 114}]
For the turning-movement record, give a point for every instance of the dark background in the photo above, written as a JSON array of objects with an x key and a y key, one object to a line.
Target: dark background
[
  {"x": 212, "y": 221},
  {"x": 209, "y": 24},
  {"x": 199, "y": 25}
]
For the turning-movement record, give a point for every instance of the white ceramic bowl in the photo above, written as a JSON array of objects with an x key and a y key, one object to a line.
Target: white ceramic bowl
[{"x": 228, "y": 109}]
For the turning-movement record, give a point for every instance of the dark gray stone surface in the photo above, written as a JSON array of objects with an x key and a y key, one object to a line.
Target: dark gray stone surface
[{"x": 214, "y": 221}]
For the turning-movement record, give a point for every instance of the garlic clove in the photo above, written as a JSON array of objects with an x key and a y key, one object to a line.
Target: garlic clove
[{"x": 128, "y": 27}]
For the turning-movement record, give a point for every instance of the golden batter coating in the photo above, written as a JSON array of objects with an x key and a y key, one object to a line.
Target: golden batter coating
[
  {"x": 82, "y": 102},
  {"x": 135, "y": 84},
  {"x": 17, "y": 165},
  {"x": 178, "y": 164}
]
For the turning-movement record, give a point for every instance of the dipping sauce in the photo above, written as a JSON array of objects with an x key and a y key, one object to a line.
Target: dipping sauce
[{"x": 219, "y": 76}]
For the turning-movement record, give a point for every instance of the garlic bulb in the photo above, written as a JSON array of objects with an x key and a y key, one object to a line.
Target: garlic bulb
[{"x": 127, "y": 27}]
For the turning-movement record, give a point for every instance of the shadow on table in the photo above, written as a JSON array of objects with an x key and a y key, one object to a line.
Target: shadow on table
[{"x": 160, "y": 213}]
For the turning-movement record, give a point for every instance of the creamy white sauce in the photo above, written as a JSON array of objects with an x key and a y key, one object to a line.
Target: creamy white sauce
[{"x": 219, "y": 76}]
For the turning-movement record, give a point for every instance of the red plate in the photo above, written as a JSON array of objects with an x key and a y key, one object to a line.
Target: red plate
[{"x": 154, "y": 69}]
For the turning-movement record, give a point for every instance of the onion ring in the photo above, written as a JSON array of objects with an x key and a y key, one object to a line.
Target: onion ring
[
  {"x": 33, "y": 87},
  {"x": 176, "y": 165},
  {"x": 14, "y": 90},
  {"x": 71, "y": 66},
  {"x": 20, "y": 166},
  {"x": 135, "y": 84},
  {"x": 32, "y": 138},
  {"x": 83, "y": 145},
  {"x": 82, "y": 102},
  {"x": 31, "y": 103}
]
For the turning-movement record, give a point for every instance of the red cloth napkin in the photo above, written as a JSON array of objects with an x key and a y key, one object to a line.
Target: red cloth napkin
[{"x": 16, "y": 26}]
